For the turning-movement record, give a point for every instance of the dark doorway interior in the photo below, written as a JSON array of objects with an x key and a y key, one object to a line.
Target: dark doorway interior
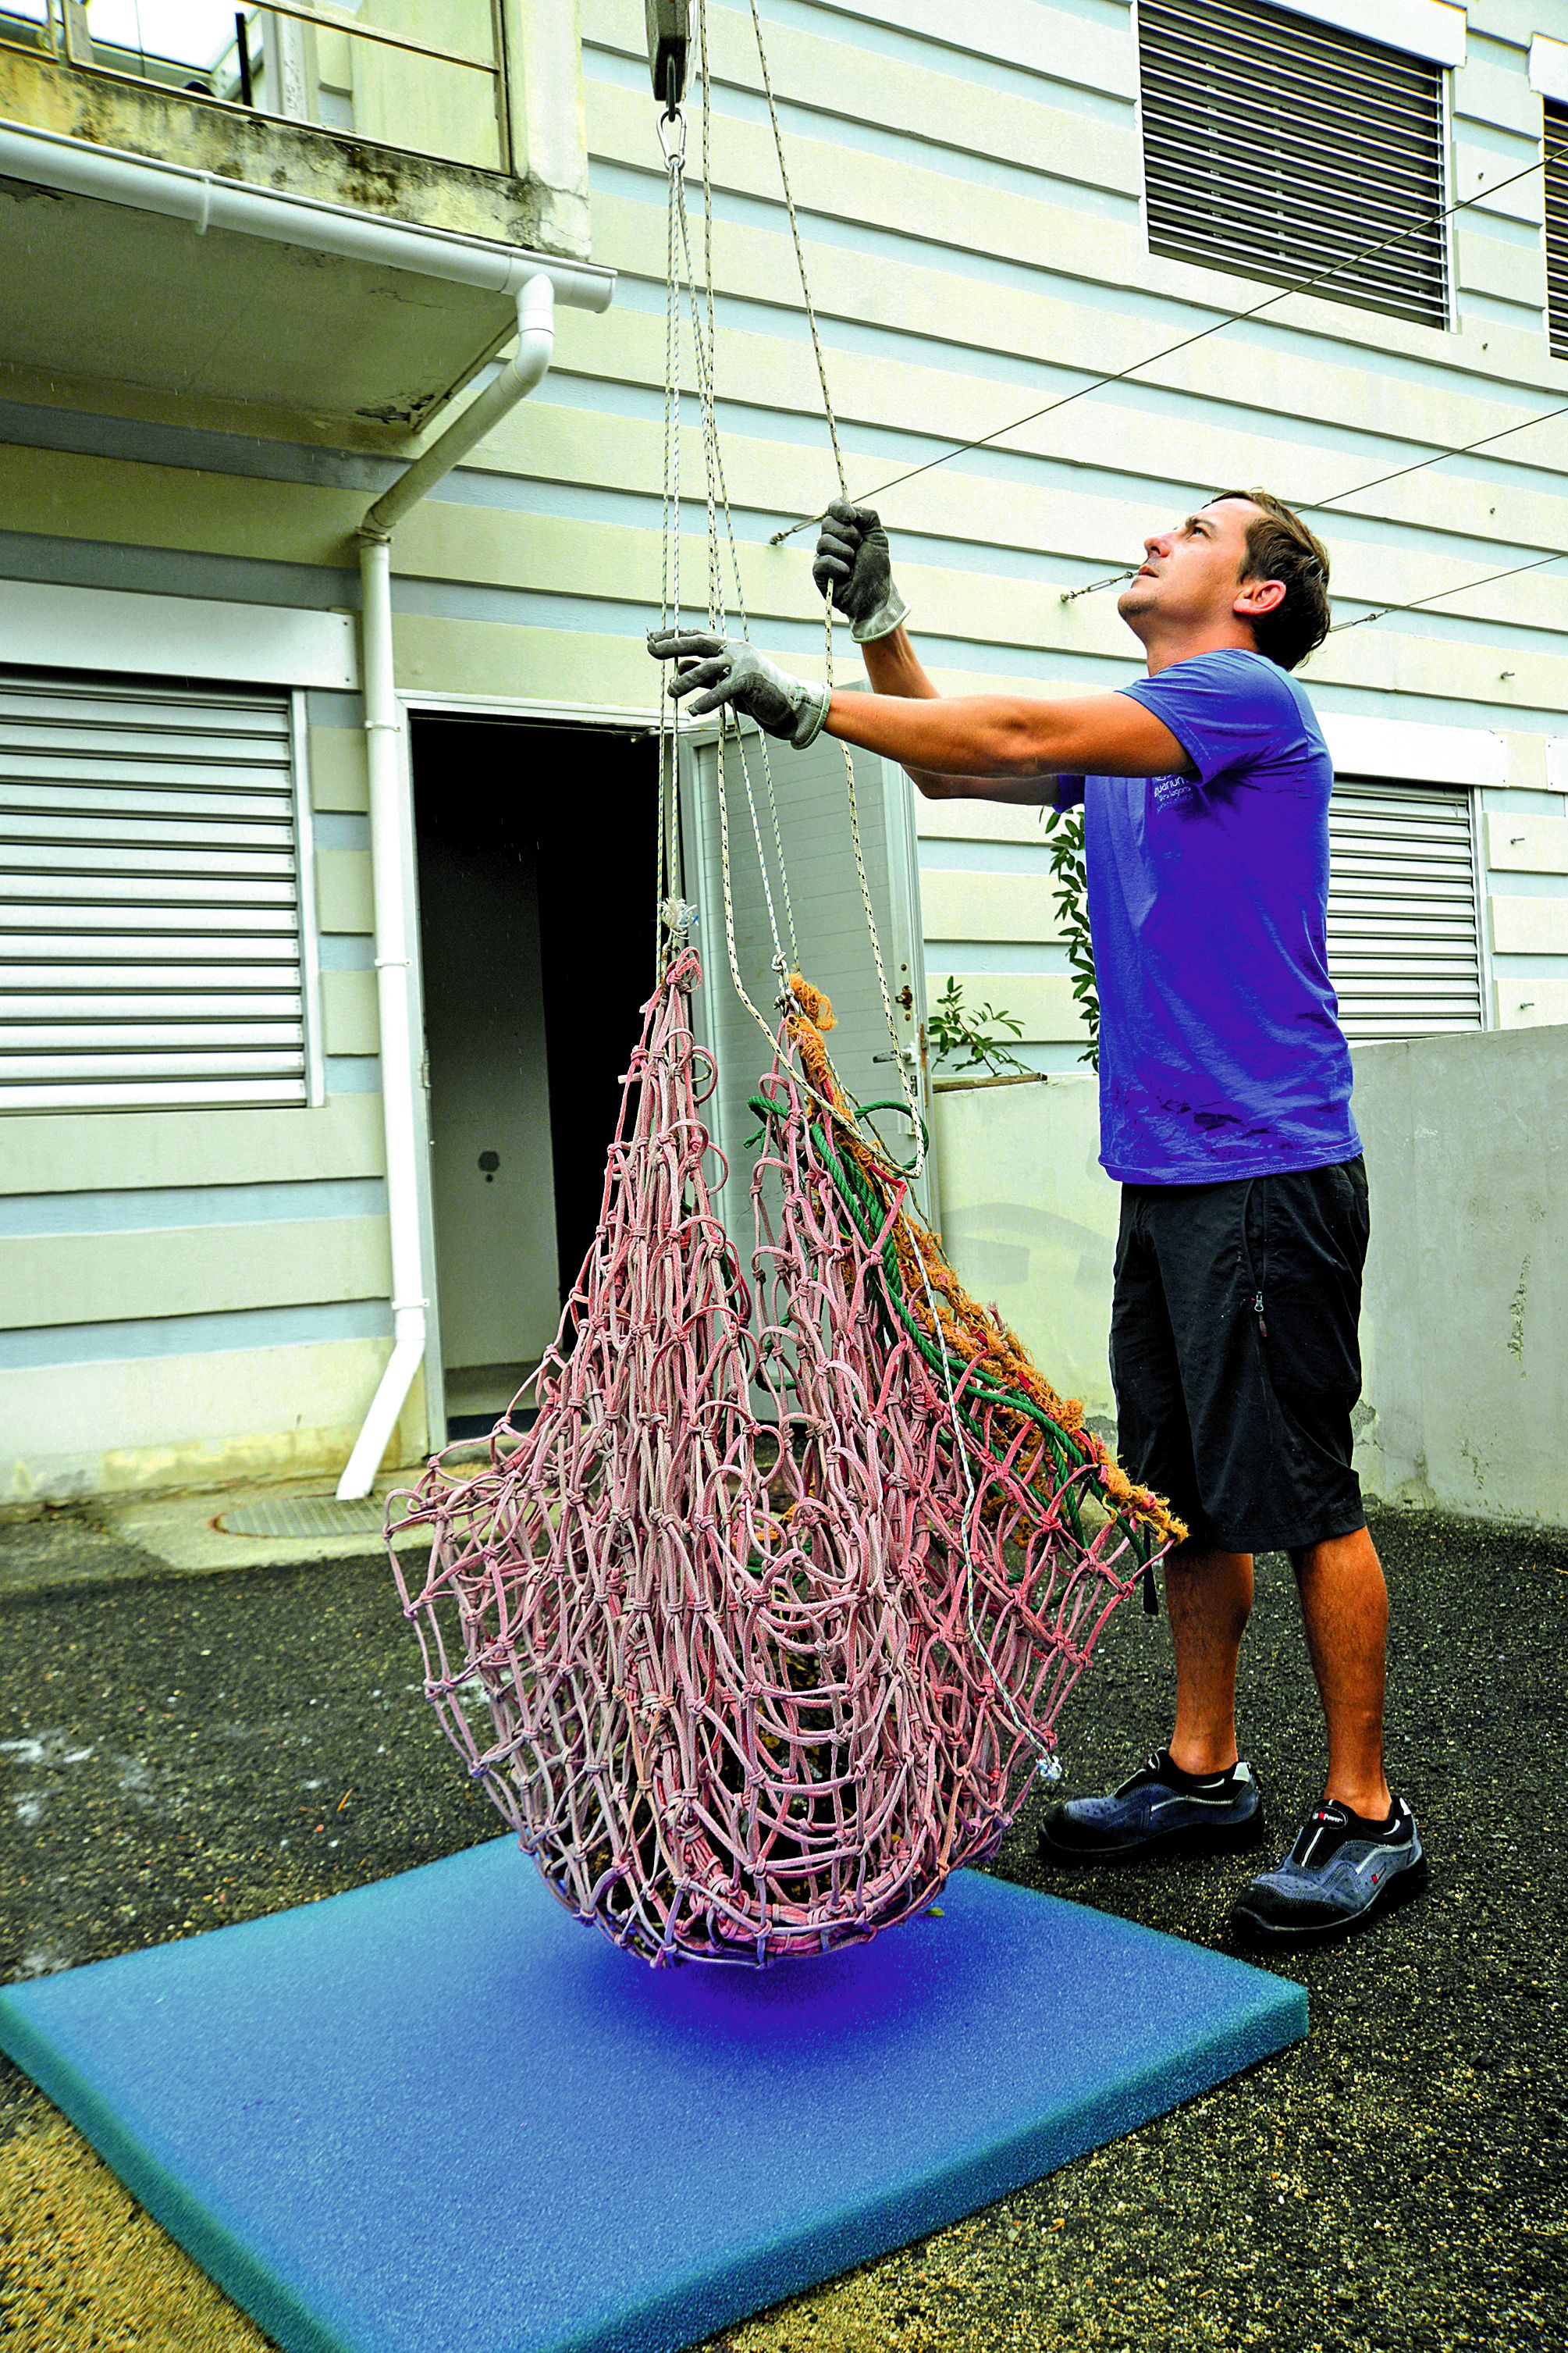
[{"x": 537, "y": 852}]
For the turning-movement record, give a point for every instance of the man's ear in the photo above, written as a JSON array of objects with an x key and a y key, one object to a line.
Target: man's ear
[{"x": 1256, "y": 597}]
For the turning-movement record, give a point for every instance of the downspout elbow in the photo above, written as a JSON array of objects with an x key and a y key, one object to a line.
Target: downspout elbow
[
  {"x": 519, "y": 376},
  {"x": 529, "y": 363}
]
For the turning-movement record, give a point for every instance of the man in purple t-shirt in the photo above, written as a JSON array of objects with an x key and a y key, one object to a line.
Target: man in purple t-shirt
[{"x": 1225, "y": 1115}]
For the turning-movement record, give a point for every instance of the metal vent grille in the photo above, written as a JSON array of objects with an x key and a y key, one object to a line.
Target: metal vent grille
[
  {"x": 1556, "y": 182},
  {"x": 1280, "y": 149},
  {"x": 150, "y": 915},
  {"x": 1405, "y": 948}
]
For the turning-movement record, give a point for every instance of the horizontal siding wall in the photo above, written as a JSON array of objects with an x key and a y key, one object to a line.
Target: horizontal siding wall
[
  {"x": 976, "y": 251},
  {"x": 193, "y": 1295}
]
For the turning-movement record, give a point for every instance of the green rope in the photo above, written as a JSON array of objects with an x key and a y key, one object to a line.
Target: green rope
[{"x": 868, "y": 1214}]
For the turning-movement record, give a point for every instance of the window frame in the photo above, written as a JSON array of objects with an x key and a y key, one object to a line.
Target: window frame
[
  {"x": 310, "y": 919},
  {"x": 295, "y": 710},
  {"x": 1555, "y": 328},
  {"x": 1422, "y": 28},
  {"x": 1412, "y": 779},
  {"x": 1443, "y": 55}
]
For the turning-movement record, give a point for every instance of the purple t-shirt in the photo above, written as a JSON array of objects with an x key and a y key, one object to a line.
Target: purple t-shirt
[{"x": 1221, "y": 1054}]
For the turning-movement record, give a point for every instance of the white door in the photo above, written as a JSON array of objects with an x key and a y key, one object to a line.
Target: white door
[{"x": 835, "y": 945}]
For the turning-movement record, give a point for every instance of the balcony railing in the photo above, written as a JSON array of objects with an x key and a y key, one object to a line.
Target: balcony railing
[{"x": 427, "y": 79}]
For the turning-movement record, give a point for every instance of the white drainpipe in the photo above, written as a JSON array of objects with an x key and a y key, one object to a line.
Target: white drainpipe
[{"x": 392, "y": 867}]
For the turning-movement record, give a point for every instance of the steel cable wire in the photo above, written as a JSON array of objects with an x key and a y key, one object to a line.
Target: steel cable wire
[{"x": 1170, "y": 351}]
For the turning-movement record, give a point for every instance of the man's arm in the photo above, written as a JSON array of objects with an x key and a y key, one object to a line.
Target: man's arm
[
  {"x": 894, "y": 668},
  {"x": 994, "y": 741},
  {"x": 1004, "y": 746},
  {"x": 982, "y": 747},
  {"x": 854, "y": 567},
  {"x": 897, "y": 671}
]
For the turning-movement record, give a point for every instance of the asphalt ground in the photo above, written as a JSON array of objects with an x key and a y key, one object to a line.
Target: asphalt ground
[{"x": 177, "y": 1751}]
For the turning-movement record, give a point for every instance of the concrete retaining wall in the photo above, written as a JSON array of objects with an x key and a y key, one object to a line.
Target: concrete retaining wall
[{"x": 1464, "y": 1329}]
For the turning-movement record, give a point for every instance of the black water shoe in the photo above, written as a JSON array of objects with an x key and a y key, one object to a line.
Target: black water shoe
[
  {"x": 1161, "y": 1810},
  {"x": 1341, "y": 1871}
]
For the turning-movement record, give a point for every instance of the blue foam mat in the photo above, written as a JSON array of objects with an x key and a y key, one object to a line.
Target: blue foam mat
[{"x": 435, "y": 2116}]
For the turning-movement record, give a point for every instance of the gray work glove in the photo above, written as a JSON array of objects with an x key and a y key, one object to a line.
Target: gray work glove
[
  {"x": 854, "y": 567},
  {"x": 720, "y": 671}
]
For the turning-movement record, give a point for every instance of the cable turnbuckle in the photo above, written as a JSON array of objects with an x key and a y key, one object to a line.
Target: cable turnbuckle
[{"x": 1071, "y": 595}]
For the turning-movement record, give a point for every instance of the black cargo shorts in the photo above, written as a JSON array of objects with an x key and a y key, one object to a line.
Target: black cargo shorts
[{"x": 1234, "y": 1354}]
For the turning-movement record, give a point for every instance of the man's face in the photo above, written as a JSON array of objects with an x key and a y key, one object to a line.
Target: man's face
[{"x": 1191, "y": 576}]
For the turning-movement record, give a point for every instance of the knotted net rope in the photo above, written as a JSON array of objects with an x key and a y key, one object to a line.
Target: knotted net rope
[{"x": 755, "y": 1634}]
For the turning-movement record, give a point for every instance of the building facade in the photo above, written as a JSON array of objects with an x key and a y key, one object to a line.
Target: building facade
[{"x": 199, "y": 405}]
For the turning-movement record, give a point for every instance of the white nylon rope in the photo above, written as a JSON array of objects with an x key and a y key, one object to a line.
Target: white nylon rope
[
  {"x": 707, "y": 121},
  {"x": 902, "y": 1058},
  {"x": 681, "y": 276},
  {"x": 681, "y": 281},
  {"x": 673, "y": 916}
]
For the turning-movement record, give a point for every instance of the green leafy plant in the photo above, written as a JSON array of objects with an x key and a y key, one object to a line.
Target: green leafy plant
[
  {"x": 1072, "y": 879},
  {"x": 974, "y": 1032}
]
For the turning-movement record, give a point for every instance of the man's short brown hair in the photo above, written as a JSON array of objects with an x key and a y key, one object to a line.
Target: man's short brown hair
[{"x": 1280, "y": 547}]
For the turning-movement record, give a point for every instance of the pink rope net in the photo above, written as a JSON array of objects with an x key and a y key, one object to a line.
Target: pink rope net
[{"x": 748, "y": 1647}]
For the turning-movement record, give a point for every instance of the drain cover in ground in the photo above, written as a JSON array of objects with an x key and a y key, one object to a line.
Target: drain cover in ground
[
  {"x": 435, "y": 2116},
  {"x": 304, "y": 1516}
]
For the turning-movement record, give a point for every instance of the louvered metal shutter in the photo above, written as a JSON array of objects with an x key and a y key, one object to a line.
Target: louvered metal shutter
[
  {"x": 1405, "y": 950},
  {"x": 151, "y": 949},
  {"x": 1280, "y": 149},
  {"x": 1556, "y": 183}
]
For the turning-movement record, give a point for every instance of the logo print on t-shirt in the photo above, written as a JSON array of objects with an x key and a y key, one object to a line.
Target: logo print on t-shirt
[{"x": 1170, "y": 790}]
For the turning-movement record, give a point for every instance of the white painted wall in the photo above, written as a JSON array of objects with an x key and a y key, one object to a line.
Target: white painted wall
[
  {"x": 202, "y": 1417},
  {"x": 1466, "y": 1402},
  {"x": 1029, "y": 1217},
  {"x": 1464, "y": 1325}
]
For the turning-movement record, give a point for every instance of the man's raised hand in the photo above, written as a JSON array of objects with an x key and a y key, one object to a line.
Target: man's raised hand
[
  {"x": 720, "y": 671},
  {"x": 854, "y": 565}
]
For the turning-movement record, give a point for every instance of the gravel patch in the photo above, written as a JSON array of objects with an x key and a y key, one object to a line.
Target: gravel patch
[{"x": 179, "y": 1752}]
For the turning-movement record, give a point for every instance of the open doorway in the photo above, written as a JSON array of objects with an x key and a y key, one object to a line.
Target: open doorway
[{"x": 537, "y": 851}]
